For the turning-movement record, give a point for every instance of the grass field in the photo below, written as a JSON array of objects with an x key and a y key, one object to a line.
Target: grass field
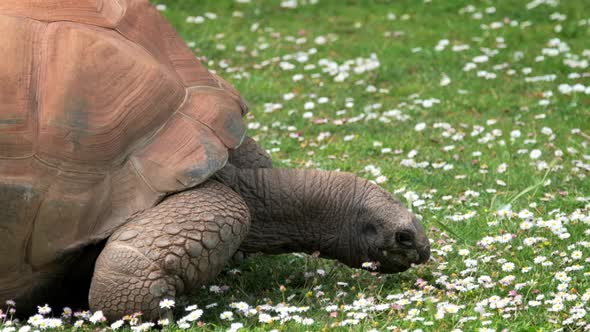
[{"x": 474, "y": 113}]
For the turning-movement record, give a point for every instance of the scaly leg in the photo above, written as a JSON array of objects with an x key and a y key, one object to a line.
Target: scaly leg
[{"x": 168, "y": 250}]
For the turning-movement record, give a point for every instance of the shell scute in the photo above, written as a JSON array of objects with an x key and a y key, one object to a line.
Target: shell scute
[
  {"x": 187, "y": 151},
  {"x": 18, "y": 85},
  {"x": 143, "y": 25},
  {"x": 219, "y": 111},
  {"x": 104, "y": 13},
  {"x": 99, "y": 97}
]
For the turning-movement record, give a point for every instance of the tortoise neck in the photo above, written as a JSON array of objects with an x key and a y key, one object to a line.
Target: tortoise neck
[{"x": 294, "y": 210}]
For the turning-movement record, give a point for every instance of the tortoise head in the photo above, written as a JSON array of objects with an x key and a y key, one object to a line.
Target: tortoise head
[{"x": 385, "y": 233}]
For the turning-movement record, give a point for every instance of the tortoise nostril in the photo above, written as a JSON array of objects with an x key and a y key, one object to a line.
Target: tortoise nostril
[{"x": 405, "y": 239}]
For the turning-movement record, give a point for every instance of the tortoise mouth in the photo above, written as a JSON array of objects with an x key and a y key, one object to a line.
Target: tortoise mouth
[
  {"x": 391, "y": 260},
  {"x": 395, "y": 260}
]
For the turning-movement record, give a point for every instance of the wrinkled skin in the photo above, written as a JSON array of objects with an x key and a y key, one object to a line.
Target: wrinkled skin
[
  {"x": 339, "y": 215},
  {"x": 362, "y": 223}
]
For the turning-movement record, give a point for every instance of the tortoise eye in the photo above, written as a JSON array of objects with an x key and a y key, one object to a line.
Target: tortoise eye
[{"x": 369, "y": 230}]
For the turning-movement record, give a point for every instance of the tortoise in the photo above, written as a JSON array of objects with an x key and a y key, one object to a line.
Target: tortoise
[{"x": 126, "y": 176}]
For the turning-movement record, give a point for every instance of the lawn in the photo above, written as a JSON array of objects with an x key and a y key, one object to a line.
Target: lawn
[{"x": 475, "y": 113}]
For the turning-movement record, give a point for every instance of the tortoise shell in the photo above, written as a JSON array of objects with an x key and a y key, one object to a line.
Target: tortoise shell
[{"x": 103, "y": 111}]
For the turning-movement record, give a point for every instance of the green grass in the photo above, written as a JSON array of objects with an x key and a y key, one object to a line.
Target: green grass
[
  {"x": 358, "y": 29},
  {"x": 411, "y": 69}
]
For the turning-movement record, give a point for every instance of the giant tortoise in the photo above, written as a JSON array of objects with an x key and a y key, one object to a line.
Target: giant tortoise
[{"x": 126, "y": 176}]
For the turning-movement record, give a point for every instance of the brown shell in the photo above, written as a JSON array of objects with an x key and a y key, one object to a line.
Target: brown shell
[{"x": 103, "y": 111}]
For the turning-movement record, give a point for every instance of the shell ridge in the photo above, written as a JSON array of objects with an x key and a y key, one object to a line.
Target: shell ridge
[
  {"x": 46, "y": 14},
  {"x": 133, "y": 164},
  {"x": 133, "y": 160},
  {"x": 123, "y": 12},
  {"x": 40, "y": 63},
  {"x": 150, "y": 138}
]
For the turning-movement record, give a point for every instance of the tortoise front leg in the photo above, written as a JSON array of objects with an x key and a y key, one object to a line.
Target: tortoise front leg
[{"x": 168, "y": 250}]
